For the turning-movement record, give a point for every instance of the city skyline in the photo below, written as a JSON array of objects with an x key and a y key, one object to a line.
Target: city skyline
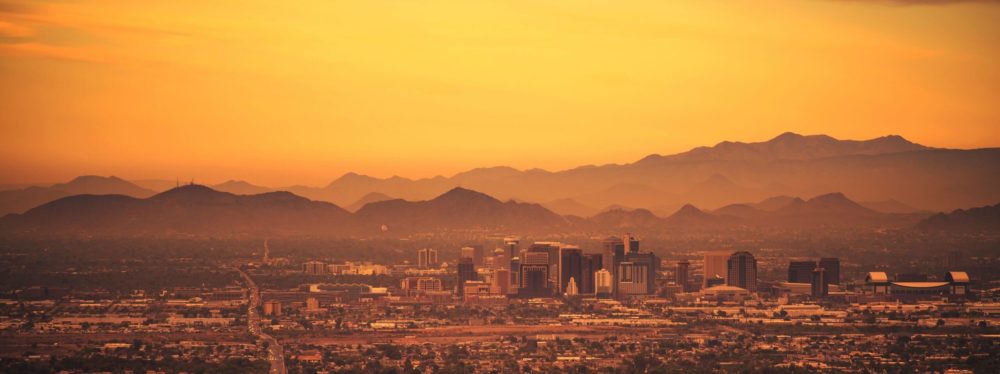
[{"x": 454, "y": 186}]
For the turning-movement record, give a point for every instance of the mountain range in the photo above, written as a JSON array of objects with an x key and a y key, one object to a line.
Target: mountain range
[
  {"x": 20, "y": 200},
  {"x": 875, "y": 170},
  {"x": 202, "y": 211},
  {"x": 888, "y": 174}
]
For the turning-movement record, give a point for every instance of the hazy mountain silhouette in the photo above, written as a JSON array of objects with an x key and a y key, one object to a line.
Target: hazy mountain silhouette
[
  {"x": 879, "y": 169},
  {"x": 570, "y": 207},
  {"x": 20, "y": 200},
  {"x": 623, "y": 194},
  {"x": 200, "y": 210},
  {"x": 457, "y": 209},
  {"x": 623, "y": 219},
  {"x": 241, "y": 188},
  {"x": 985, "y": 218},
  {"x": 777, "y": 202},
  {"x": 691, "y": 217},
  {"x": 185, "y": 210},
  {"x": 743, "y": 211},
  {"x": 792, "y": 146},
  {"x": 157, "y": 185},
  {"x": 371, "y": 197},
  {"x": 890, "y": 206}
]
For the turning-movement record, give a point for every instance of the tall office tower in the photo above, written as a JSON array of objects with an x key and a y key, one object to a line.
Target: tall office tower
[
  {"x": 466, "y": 272},
  {"x": 614, "y": 252},
  {"x": 467, "y": 252},
  {"x": 478, "y": 255},
  {"x": 592, "y": 262},
  {"x": 715, "y": 267},
  {"x": 800, "y": 271},
  {"x": 636, "y": 274},
  {"x": 602, "y": 283},
  {"x": 534, "y": 273},
  {"x": 500, "y": 259},
  {"x": 681, "y": 275},
  {"x": 552, "y": 248},
  {"x": 820, "y": 284},
  {"x": 742, "y": 268},
  {"x": 570, "y": 266},
  {"x": 512, "y": 245},
  {"x": 832, "y": 267},
  {"x": 314, "y": 268},
  {"x": 632, "y": 278},
  {"x": 631, "y": 243},
  {"x": 427, "y": 257},
  {"x": 501, "y": 281},
  {"x": 515, "y": 273}
]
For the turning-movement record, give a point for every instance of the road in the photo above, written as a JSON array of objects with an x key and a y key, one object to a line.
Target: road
[{"x": 275, "y": 354}]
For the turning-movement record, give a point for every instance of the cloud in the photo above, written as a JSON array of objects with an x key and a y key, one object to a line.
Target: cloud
[
  {"x": 15, "y": 7},
  {"x": 13, "y": 30},
  {"x": 33, "y": 49}
]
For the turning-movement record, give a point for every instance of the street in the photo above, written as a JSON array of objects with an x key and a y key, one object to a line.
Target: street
[{"x": 275, "y": 354}]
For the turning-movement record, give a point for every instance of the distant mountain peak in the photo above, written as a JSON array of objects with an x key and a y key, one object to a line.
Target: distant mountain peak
[
  {"x": 353, "y": 177},
  {"x": 832, "y": 196},
  {"x": 787, "y": 135},
  {"x": 188, "y": 191},
  {"x": 371, "y": 197},
  {"x": 792, "y": 146},
  {"x": 688, "y": 210},
  {"x": 91, "y": 178},
  {"x": 235, "y": 182},
  {"x": 460, "y": 194}
]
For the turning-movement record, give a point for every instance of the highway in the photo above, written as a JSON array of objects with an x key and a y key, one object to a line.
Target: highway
[{"x": 275, "y": 354}]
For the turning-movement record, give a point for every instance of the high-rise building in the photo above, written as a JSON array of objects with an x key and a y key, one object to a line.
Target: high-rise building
[
  {"x": 314, "y": 268},
  {"x": 515, "y": 273},
  {"x": 602, "y": 283},
  {"x": 478, "y": 256},
  {"x": 500, "y": 259},
  {"x": 467, "y": 252},
  {"x": 501, "y": 281},
  {"x": 631, "y": 243},
  {"x": 512, "y": 245},
  {"x": 592, "y": 262},
  {"x": 681, "y": 275},
  {"x": 466, "y": 272},
  {"x": 427, "y": 257},
  {"x": 632, "y": 278},
  {"x": 742, "y": 272},
  {"x": 614, "y": 252},
  {"x": 534, "y": 273},
  {"x": 800, "y": 271},
  {"x": 820, "y": 285},
  {"x": 571, "y": 289},
  {"x": 570, "y": 266},
  {"x": 715, "y": 267},
  {"x": 636, "y": 272},
  {"x": 832, "y": 267},
  {"x": 473, "y": 289}
]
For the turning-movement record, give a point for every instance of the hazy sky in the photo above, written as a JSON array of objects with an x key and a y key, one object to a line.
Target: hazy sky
[{"x": 281, "y": 93}]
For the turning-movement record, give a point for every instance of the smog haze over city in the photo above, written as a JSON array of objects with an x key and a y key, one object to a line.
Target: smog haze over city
[{"x": 500, "y": 186}]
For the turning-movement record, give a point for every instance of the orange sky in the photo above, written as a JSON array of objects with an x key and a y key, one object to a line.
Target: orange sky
[{"x": 281, "y": 94}]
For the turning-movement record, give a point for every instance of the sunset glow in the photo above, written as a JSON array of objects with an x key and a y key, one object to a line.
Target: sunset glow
[{"x": 279, "y": 93}]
